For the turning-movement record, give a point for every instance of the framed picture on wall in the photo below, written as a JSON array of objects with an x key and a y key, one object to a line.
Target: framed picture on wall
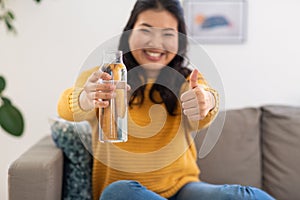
[{"x": 216, "y": 21}]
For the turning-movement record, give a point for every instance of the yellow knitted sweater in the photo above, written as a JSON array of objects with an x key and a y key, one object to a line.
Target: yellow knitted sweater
[{"x": 159, "y": 153}]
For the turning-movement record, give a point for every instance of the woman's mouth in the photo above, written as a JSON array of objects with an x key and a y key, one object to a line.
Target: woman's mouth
[{"x": 153, "y": 55}]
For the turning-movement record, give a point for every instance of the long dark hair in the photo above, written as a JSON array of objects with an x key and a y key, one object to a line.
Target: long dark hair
[{"x": 168, "y": 85}]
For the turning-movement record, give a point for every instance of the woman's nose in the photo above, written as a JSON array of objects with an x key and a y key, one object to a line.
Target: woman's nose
[{"x": 156, "y": 41}]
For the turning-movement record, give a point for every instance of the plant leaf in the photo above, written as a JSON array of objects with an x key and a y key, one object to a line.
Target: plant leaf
[
  {"x": 8, "y": 24},
  {"x": 6, "y": 100},
  {"x": 11, "y": 120},
  {"x": 10, "y": 15},
  {"x": 2, "y": 84}
]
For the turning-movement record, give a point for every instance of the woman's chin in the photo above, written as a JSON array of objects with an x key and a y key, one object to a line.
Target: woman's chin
[{"x": 152, "y": 69}]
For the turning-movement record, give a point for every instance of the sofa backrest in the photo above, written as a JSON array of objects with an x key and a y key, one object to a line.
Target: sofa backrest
[
  {"x": 281, "y": 151},
  {"x": 236, "y": 157},
  {"x": 258, "y": 147}
]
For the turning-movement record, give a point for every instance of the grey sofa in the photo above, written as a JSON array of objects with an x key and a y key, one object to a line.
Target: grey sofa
[{"x": 258, "y": 146}]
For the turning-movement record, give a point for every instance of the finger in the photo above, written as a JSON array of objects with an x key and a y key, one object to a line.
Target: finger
[
  {"x": 95, "y": 76},
  {"x": 128, "y": 88},
  {"x": 101, "y": 104},
  {"x": 194, "y": 117},
  {"x": 105, "y": 95},
  {"x": 198, "y": 116},
  {"x": 203, "y": 107},
  {"x": 101, "y": 95},
  {"x": 100, "y": 87},
  {"x": 193, "y": 103},
  {"x": 199, "y": 93},
  {"x": 105, "y": 76},
  {"x": 188, "y": 95},
  {"x": 106, "y": 87},
  {"x": 194, "y": 78},
  {"x": 191, "y": 111},
  {"x": 99, "y": 75}
]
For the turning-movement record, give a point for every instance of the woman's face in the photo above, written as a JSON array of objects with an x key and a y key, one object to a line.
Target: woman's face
[{"x": 154, "y": 40}]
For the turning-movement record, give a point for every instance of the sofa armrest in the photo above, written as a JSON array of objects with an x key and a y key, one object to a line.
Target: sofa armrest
[{"x": 38, "y": 173}]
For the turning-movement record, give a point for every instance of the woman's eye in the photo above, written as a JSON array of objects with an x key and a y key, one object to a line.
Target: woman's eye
[
  {"x": 145, "y": 30},
  {"x": 169, "y": 34}
]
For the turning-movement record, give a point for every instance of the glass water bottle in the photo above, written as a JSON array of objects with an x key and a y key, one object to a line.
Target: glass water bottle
[{"x": 113, "y": 119}]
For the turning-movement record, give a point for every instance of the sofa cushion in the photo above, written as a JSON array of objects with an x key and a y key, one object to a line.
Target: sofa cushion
[
  {"x": 72, "y": 138},
  {"x": 236, "y": 157},
  {"x": 281, "y": 151}
]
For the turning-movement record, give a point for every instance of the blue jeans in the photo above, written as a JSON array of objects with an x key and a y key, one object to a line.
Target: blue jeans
[{"x": 132, "y": 190}]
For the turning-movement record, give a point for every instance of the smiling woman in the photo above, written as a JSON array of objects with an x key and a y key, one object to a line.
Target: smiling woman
[{"x": 167, "y": 103}]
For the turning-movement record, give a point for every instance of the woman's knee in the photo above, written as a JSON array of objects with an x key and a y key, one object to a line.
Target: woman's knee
[
  {"x": 122, "y": 184},
  {"x": 119, "y": 190},
  {"x": 244, "y": 192}
]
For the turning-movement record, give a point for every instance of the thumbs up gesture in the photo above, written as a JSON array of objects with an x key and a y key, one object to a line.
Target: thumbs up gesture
[{"x": 196, "y": 102}]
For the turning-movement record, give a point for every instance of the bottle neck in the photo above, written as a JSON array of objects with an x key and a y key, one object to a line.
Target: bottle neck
[
  {"x": 119, "y": 58},
  {"x": 113, "y": 57}
]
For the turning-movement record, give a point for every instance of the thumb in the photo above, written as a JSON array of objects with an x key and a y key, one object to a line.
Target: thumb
[{"x": 194, "y": 78}]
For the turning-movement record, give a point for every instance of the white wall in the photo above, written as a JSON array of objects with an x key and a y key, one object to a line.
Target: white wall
[
  {"x": 55, "y": 37},
  {"x": 265, "y": 70}
]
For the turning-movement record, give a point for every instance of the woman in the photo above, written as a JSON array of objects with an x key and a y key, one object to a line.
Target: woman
[{"x": 159, "y": 159}]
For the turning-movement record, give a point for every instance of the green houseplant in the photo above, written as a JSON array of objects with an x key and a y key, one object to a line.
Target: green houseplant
[
  {"x": 11, "y": 119},
  {"x": 7, "y": 16}
]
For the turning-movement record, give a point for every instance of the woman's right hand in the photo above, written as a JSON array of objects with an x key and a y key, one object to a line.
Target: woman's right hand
[{"x": 96, "y": 94}]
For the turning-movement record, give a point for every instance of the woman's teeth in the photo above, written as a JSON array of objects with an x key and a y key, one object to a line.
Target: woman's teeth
[{"x": 153, "y": 54}]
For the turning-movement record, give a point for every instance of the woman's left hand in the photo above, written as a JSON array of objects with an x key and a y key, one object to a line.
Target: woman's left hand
[{"x": 196, "y": 102}]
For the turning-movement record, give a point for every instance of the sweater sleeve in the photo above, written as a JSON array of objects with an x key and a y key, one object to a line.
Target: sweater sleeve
[{"x": 68, "y": 106}]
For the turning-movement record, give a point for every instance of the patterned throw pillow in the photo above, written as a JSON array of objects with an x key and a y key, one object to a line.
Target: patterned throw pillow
[{"x": 74, "y": 138}]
